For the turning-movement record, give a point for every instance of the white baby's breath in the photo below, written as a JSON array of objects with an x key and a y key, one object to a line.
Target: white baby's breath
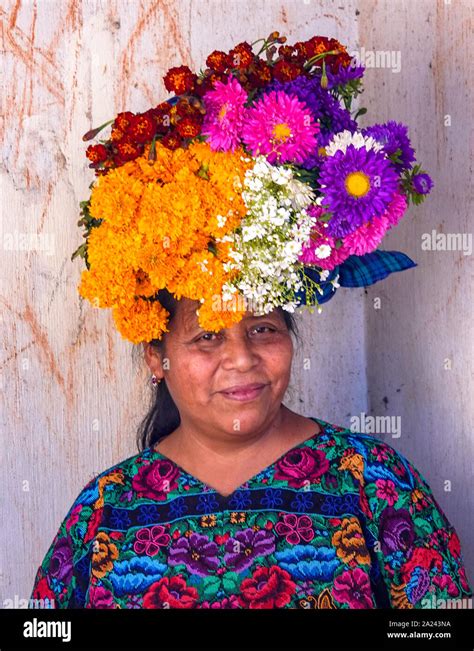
[{"x": 266, "y": 247}]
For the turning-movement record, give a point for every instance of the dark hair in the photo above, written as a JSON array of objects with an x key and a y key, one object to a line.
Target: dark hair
[{"x": 163, "y": 415}]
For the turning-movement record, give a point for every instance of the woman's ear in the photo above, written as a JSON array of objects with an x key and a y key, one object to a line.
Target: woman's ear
[{"x": 153, "y": 358}]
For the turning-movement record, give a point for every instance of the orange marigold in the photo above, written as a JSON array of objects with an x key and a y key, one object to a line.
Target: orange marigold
[
  {"x": 215, "y": 314},
  {"x": 141, "y": 320},
  {"x": 160, "y": 221}
]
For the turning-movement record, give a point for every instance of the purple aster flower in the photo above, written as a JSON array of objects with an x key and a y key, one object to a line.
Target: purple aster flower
[
  {"x": 344, "y": 75},
  {"x": 422, "y": 183},
  {"x": 332, "y": 117},
  {"x": 393, "y": 135},
  {"x": 357, "y": 185}
]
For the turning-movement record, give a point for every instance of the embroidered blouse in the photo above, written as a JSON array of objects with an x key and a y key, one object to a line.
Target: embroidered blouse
[{"x": 341, "y": 520}]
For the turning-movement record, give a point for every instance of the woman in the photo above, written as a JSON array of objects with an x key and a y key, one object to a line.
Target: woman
[
  {"x": 252, "y": 182},
  {"x": 235, "y": 501}
]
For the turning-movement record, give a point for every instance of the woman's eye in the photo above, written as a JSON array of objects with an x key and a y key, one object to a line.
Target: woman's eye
[
  {"x": 265, "y": 328},
  {"x": 211, "y": 334}
]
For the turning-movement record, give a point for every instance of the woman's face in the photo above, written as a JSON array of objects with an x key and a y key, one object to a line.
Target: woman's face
[{"x": 198, "y": 365}]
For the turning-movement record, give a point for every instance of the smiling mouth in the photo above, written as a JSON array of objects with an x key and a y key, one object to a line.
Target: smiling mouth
[{"x": 244, "y": 394}]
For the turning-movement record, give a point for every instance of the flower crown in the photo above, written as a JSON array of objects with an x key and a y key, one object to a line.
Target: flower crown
[{"x": 251, "y": 188}]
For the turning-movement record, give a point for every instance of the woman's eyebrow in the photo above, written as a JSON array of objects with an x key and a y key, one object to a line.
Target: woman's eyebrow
[{"x": 191, "y": 323}]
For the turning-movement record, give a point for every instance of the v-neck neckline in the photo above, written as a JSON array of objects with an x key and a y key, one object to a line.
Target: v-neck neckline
[{"x": 211, "y": 490}]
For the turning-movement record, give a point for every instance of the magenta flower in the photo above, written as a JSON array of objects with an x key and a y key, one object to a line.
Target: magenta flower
[
  {"x": 320, "y": 250},
  {"x": 353, "y": 587},
  {"x": 225, "y": 114},
  {"x": 295, "y": 528},
  {"x": 302, "y": 466},
  {"x": 396, "y": 208},
  {"x": 150, "y": 540},
  {"x": 367, "y": 237},
  {"x": 156, "y": 479},
  {"x": 100, "y": 597},
  {"x": 232, "y": 601},
  {"x": 281, "y": 127},
  {"x": 74, "y": 517},
  {"x": 386, "y": 490},
  {"x": 444, "y": 581}
]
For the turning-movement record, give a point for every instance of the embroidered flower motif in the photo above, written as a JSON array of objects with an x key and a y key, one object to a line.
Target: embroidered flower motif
[
  {"x": 295, "y": 528},
  {"x": 149, "y": 540}
]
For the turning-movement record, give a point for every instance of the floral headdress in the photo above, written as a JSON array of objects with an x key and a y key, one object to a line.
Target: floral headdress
[{"x": 251, "y": 188}]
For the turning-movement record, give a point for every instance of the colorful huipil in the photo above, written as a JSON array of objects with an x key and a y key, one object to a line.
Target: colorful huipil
[{"x": 341, "y": 520}]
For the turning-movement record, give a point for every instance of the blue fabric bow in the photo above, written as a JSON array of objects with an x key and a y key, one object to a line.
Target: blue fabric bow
[{"x": 358, "y": 271}]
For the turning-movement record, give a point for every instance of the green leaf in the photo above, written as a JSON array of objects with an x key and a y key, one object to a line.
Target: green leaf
[
  {"x": 438, "y": 519},
  {"x": 210, "y": 586},
  {"x": 423, "y": 526},
  {"x": 80, "y": 251},
  {"x": 230, "y": 582}
]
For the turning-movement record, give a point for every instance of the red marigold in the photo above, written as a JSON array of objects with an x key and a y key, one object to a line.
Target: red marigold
[
  {"x": 123, "y": 120},
  {"x": 179, "y": 80},
  {"x": 260, "y": 74},
  {"x": 188, "y": 127},
  {"x": 334, "y": 44},
  {"x": 185, "y": 109},
  {"x": 241, "y": 56},
  {"x": 286, "y": 71},
  {"x": 203, "y": 85},
  {"x": 217, "y": 60},
  {"x": 341, "y": 60},
  {"x": 315, "y": 45},
  {"x": 128, "y": 149},
  {"x": 291, "y": 53},
  {"x": 161, "y": 115},
  {"x": 142, "y": 128},
  {"x": 97, "y": 153},
  {"x": 172, "y": 140}
]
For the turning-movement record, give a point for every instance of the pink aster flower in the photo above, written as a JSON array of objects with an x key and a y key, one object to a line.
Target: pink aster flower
[
  {"x": 367, "y": 237},
  {"x": 225, "y": 114},
  {"x": 396, "y": 208},
  {"x": 281, "y": 127}
]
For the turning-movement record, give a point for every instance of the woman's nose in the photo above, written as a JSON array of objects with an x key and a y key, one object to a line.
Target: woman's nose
[{"x": 239, "y": 352}]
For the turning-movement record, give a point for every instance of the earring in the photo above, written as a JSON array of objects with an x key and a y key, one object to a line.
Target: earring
[{"x": 154, "y": 380}]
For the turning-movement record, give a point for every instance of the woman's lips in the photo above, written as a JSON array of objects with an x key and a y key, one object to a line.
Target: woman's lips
[{"x": 242, "y": 395}]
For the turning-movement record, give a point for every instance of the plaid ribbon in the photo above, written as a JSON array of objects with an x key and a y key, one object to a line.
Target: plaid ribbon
[
  {"x": 363, "y": 270},
  {"x": 358, "y": 271}
]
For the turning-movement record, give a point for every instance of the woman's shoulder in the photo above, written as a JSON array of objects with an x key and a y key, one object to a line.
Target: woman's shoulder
[
  {"x": 114, "y": 478},
  {"x": 374, "y": 457}
]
